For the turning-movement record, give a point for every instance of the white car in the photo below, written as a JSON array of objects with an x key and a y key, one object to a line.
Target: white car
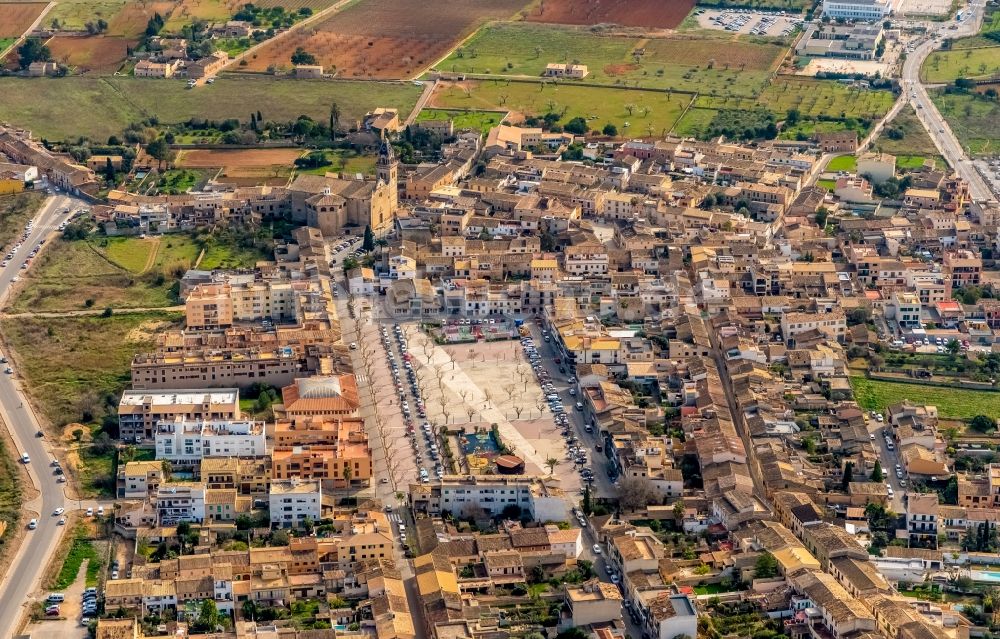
[
  {"x": 58, "y": 511},
  {"x": 32, "y": 524},
  {"x": 90, "y": 512},
  {"x": 597, "y": 549}
]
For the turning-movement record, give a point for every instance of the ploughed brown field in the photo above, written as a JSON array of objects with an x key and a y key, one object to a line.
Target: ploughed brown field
[
  {"x": 663, "y": 14},
  {"x": 15, "y": 18},
  {"x": 97, "y": 54},
  {"x": 131, "y": 21},
  {"x": 385, "y": 39}
]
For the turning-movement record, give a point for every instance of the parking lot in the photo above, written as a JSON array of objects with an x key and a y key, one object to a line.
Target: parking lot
[
  {"x": 989, "y": 168},
  {"x": 748, "y": 22}
]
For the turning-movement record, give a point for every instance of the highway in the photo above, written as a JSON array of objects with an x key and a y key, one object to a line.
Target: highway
[
  {"x": 33, "y": 556},
  {"x": 944, "y": 138}
]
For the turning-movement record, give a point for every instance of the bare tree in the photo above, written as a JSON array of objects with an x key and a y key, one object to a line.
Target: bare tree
[{"x": 636, "y": 492}]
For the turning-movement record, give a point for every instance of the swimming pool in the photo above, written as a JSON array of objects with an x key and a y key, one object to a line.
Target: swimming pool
[{"x": 983, "y": 575}]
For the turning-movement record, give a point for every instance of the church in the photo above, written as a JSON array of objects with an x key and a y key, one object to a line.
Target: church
[{"x": 335, "y": 205}]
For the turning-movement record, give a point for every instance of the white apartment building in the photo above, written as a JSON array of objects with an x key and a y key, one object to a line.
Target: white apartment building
[
  {"x": 857, "y": 9},
  {"x": 180, "y": 501},
  {"x": 139, "y": 411},
  {"x": 586, "y": 259},
  {"x": 293, "y": 500},
  {"x": 491, "y": 494},
  {"x": 187, "y": 442}
]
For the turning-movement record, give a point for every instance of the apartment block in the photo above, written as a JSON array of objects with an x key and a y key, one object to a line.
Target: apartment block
[{"x": 139, "y": 411}]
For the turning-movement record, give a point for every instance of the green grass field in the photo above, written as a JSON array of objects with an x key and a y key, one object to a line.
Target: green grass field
[
  {"x": 946, "y": 66},
  {"x": 82, "y": 549},
  {"x": 915, "y": 141},
  {"x": 695, "y": 122},
  {"x": 843, "y": 163},
  {"x": 957, "y": 403},
  {"x": 74, "y": 14},
  {"x": 482, "y": 120},
  {"x": 739, "y": 67},
  {"x": 973, "y": 118},
  {"x": 344, "y": 161},
  {"x": 813, "y": 98},
  {"x": 94, "y": 274},
  {"x": 598, "y": 105},
  {"x": 61, "y": 108},
  {"x": 910, "y": 162},
  {"x": 75, "y": 367}
]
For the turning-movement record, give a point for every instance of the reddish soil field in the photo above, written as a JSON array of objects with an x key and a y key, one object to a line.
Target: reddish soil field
[
  {"x": 131, "y": 21},
  {"x": 210, "y": 158},
  {"x": 666, "y": 14},
  {"x": 385, "y": 38},
  {"x": 95, "y": 54},
  {"x": 15, "y": 18}
]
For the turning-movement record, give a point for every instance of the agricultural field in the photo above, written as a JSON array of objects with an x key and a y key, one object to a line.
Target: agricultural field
[
  {"x": 725, "y": 65},
  {"x": 946, "y": 66},
  {"x": 76, "y": 367},
  {"x": 813, "y": 98},
  {"x": 695, "y": 122},
  {"x": 205, "y": 158},
  {"x": 90, "y": 54},
  {"x": 73, "y": 15},
  {"x": 130, "y": 21},
  {"x": 973, "y": 118},
  {"x": 957, "y": 403},
  {"x": 913, "y": 145},
  {"x": 188, "y": 11},
  {"x": 62, "y": 108},
  {"x": 16, "y": 17},
  {"x": 652, "y": 112},
  {"x": 385, "y": 39},
  {"x": 246, "y": 167},
  {"x": 482, "y": 120},
  {"x": 628, "y": 13}
]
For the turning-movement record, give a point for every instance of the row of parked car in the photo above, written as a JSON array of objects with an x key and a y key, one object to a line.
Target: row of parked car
[
  {"x": 419, "y": 407},
  {"x": 88, "y": 605}
]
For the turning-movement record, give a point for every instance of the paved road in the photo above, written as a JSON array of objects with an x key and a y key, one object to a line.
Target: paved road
[
  {"x": 944, "y": 138},
  {"x": 34, "y": 554}
]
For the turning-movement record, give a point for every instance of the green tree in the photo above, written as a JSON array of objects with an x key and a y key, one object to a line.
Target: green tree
[
  {"x": 587, "y": 503},
  {"x": 766, "y": 566},
  {"x": 953, "y": 347},
  {"x": 368, "y": 244},
  {"x": 301, "y": 56},
  {"x": 610, "y": 130},
  {"x": 821, "y": 215},
  {"x": 109, "y": 171},
  {"x": 983, "y": 424},
  {"x": 576, "y": 126},
  {"x": 877, "y": 472},
  {"x": 208, "y": 614},
  {"x": 334, "y": 119},
  {"x": 159, "y": 150},
  {"x": 33, "y": 51},
  {"x": 848, "y": 475}
]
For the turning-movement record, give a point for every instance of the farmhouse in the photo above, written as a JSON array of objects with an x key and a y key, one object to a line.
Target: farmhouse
[
  {"x": 309, "y": 71},
  {"x": 39, "y": 69},
  {"x": 150, "y": 69},
  {"x": 557, "y": 70},
  {"x": 207, "y": 66}
]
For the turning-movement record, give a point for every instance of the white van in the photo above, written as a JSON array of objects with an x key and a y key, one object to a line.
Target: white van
[{"x": 56, "y": 597}]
